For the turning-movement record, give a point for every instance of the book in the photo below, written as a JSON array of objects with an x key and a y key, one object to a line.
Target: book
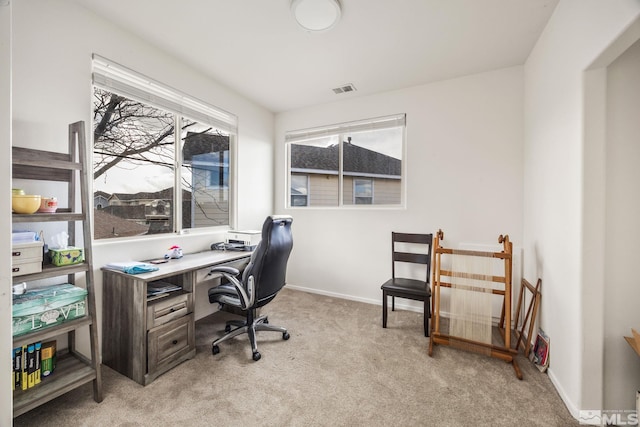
[
  {"x": 48, "y": 358},
  {"x": 17, "y": 367},
  {"x": 31, "y": 365},
  {"x": 540, "y": 354},
  {"x": 24, "y": 383},
  {"x": 156, "y": 288},
  {"x": 37, "y": 375}
]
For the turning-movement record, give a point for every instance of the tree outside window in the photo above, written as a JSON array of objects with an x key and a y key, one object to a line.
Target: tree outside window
[{"x": 140, "y": 153}]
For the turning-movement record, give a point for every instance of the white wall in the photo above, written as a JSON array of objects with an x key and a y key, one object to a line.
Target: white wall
[
  {"x": 622, "y": 365},
  {"x": 464, "y": 175},
  {"x": 558, "y": 246},
  {"x": 53, "y": 43},
  {"x": 6, "y": 344}
]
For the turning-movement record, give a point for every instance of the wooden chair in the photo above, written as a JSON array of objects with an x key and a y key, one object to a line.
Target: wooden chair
[{"x": 414, "y": 249}]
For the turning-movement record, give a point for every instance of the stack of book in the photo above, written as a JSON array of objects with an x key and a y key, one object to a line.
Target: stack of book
[
  {"x": 160, "y": 289},
  {"x": 32, "y": 363}
]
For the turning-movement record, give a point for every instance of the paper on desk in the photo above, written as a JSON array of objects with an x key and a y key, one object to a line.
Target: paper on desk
[{"x": 132, "y": 267}]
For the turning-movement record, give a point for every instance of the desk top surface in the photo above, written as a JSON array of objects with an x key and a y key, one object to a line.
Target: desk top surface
[{"x": 188, "y": 262}]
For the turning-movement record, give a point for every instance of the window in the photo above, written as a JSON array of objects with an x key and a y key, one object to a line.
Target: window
[
  {"x": 299, "y": 190},
  {"x": 363, "y": 191},
  {"x": 162, "y": 162},
  {"x": 357, "y": 163}
]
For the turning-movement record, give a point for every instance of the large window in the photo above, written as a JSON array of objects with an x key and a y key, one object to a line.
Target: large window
[
  {"x": 162, "y": 162},
  {"x": 357, "y": 163}
]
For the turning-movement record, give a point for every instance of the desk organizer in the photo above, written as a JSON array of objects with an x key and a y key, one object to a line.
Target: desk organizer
[
  {"x": 42, "y": 308},
  {"x": 67, "y": 256}
]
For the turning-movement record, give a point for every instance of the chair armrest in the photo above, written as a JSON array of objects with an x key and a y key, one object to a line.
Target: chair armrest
[
  {"x": 246, "y": 296},
  {"x": 224, "y": 269}
]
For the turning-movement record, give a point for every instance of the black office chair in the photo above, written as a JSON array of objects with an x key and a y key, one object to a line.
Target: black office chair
[
  {"x": 409, "y": 288},
  {"x": 260, "y": 282}
]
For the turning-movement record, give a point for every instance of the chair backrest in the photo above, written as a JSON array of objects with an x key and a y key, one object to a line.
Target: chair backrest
[
  {"x": 411, "y": 253},
  {"x": 268, "y": 264}
]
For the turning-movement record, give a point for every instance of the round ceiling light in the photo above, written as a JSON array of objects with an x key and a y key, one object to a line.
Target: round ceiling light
[{"x": 316, "y": 15}]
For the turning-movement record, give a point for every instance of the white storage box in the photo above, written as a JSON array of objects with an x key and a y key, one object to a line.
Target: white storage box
[{"x": 26, "y": 258}]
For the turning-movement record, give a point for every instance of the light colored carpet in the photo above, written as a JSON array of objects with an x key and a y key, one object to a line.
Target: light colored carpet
[{"x": 340, "y": 368}]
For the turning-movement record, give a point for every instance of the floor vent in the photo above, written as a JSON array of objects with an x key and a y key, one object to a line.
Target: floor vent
[{"x": 345, "y": 88}]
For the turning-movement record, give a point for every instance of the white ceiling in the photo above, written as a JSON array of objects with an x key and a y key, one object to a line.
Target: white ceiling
[{"x": 256, "y": 48}]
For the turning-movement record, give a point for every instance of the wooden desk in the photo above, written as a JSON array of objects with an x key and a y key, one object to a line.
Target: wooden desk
[{"x": 142, "y": 337}]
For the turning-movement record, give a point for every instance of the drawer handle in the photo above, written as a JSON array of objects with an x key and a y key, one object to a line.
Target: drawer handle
[
  {"x": 174, "y": 342},
  {"x": 17, "y": 253},
  {"x": 15, "y": 269}
]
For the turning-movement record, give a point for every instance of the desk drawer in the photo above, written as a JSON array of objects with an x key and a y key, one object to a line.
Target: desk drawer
[
  {"x": 202, "y": 275},
  {"x": 169, "y": 342},
  {"x": 165, "y": 310}
]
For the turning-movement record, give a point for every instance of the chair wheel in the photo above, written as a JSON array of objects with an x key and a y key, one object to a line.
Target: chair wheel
[
  {"x": 215, "y": 349},
  {"x": 227, "y": 329},
  {"x": 266, "y": 320},
  {"x": 256, "y": 356},
  {"x": 285, "y": 336}
]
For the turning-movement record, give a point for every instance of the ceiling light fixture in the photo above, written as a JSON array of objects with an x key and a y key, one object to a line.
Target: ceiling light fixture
[{"x": 316, "y": 15}]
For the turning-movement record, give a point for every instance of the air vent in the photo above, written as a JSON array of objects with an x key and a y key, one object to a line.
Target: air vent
[{"x": 345, "y": 88}]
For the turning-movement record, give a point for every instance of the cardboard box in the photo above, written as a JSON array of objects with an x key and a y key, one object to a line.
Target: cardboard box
[
  {"x": 37, "y": 309},
  {"x": 68, "y": 256}
]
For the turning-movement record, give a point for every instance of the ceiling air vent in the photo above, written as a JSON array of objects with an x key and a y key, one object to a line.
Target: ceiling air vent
[{"x": 345, "y": 88}]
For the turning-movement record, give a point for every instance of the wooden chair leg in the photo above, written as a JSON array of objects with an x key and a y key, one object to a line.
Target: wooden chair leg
[
  {"x": 384, "y": 309},
  {"x": 426, "y": 317}
]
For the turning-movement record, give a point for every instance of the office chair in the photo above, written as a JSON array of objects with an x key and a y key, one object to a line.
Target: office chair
[
  {"x": 260, "y": 282},
  {"x": 409, "y": 288}
]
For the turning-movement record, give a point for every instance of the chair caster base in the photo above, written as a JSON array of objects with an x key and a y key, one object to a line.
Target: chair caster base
[
  {"x": 215, "y": 349},
  {"x": 285, "y": 336},
  {"x": 256, "y": 356}
]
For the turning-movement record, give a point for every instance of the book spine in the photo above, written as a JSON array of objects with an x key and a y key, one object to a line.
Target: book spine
[
  {"x": 24, "y": 384},
  {"x": 47, "y": 364},
  {"x": 17, "y": 367},
  {"x": 31, "y": 365},
  {"x": 38, "y": 358}
]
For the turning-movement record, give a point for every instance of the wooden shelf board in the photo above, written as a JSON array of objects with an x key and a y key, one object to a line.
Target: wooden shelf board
[
  {"x": 70, "y": 372},
  {"x": 53, "y": 331}
]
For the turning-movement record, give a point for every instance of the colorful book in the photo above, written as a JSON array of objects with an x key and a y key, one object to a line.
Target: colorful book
[
  {"x": 24, "y": 383},
  {"x": 47, "y": 358},
  {"x": 31, "y": 365},
  {"x": 38, "y": 359}
]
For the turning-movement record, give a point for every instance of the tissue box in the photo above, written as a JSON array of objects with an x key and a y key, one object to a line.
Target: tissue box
[
  {"x": 67, "y": 256},
  {"x": 53, "y": 305}
]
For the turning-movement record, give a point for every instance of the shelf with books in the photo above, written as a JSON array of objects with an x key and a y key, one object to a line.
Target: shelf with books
[{"x": 75, "y": 368}]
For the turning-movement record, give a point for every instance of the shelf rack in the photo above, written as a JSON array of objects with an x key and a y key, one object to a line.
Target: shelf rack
[{"x": 73, "y": 369}]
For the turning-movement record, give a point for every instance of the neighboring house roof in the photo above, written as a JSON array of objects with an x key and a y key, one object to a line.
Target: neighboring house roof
[
  {"x": 101, "y": 194},
  {"x": 166, "y": 194},
  {"x": 356, "y": 159},
  {"x": 203, "y": 143},
  {"x": 107, "y": 225}
]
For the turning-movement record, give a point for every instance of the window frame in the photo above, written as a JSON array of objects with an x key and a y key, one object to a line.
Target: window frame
[
  {"x": 341, "y": 130},
  {"x": 115, "y": 78}
]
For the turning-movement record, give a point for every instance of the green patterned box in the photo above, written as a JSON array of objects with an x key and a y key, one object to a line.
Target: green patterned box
[
  {"x": 50, "y": 306},
  {"x": 67, "y": 256}
]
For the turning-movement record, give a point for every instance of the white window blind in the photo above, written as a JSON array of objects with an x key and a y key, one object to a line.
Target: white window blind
[
  {"x": 350, "y": 127},
  {"x": 119, "y": 79}
]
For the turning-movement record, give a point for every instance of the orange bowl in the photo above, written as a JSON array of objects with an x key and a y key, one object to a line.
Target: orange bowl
[{"x": 25, "y": 203}]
